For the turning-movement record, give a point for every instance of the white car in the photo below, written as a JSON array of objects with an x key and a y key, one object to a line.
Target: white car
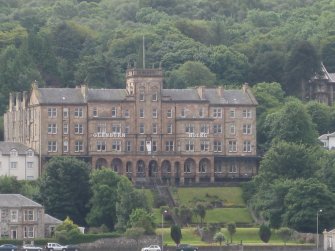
[
  {"x": 152, "y": 248},
  {"x": 55, "y": 247},
  {"x": 29, "y": 247}
]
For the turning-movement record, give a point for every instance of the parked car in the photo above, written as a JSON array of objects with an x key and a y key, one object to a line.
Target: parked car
[
  {"x": 152, "y": 248},
  {"x": 29, "y": 247},
  {"x": 186, "y": 247},
  {"x": 8, "y": 247},
  {"x": 51, "y": 246}
]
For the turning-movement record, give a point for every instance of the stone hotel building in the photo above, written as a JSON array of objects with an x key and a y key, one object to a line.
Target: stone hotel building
[{"x": 175, "y": 136}]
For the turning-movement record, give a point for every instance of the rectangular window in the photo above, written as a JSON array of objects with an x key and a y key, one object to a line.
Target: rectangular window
[
  {"x": 126, "y": 113},
  {"x": 247, "y": 129},
  {"x": 232, "y": 168},
  {"x": 95, "y": 112},
  {"x": 52, "y": 129},
  {"x": 204, "y": 128},
  {"x": 13, "y": 164},
  {"x": 142, "y": 146},
  {"x": 141, "y": 113},
  {"x": 154, "y": 96},
  {"x": 126, "y": 129},
  {"x": 65, "y": 128},
  {"x": 204, "y": 146},
  {"x": 78, "y": 146},
  {"x": 217, "y": 113},
  {"x": 101, "y": 146},
  {"x": 52, "y": 112},
  {"x": 13, "y": 215},
  {"x": 169, "y": 146},
  {"x": 247, "y": 146},
  {"x": 189, "y": 128},
  {"x": 232, "y": 146},
  {"x": 116, "y": 145},
  {"x": 28, "y": 232},
  {"x": 141, "y": 128},
  {"x": 232, "y": 129},
  {"x": 201, "y": 112},
  {"x": 169, "y": 113},
  {"x": 141, "y": 96},
  {"x": 65, "y": 112},
  {"x": 217, "y": 168},
  {"x": 169, "y": 129},
  {"x": 30, "y": 165},
  {"x": 246, "y": 113},
  {"x": 13, "y": 153},
  {"x": 128, "y": 146},
  {"x": 182, "y": 112},
  {"x": 52, "y": 146},
  {"x": 78, "y": 129},
  {"x": 189, "y": 146},
  {"x": 154, "y": 113},
  {"x": 154, "y": 146},
  {"x": 78, "y": 112},
  {"x": 65, "y": 146},
  {"x": 113, "y": 112},
  {"x": 217, "y": 146},
  {"x": 116, "y": 128},
  {"x": 101, "y": 127},
  {"x": 217, "y": 128},
  {"x": 154, "y": 128},
  {"x": 30, "y": 153},
  {"x": 232, "y": 113},
  {"x": 28, "y": 215}
]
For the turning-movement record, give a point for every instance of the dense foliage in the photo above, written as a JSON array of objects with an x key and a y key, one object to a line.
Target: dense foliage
[{"x": 68, "y": 42}]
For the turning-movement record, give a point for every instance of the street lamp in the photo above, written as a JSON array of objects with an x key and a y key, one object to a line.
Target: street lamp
[
  {"x": 317, "y": 229},
  {"x": 164, "y": 212}
]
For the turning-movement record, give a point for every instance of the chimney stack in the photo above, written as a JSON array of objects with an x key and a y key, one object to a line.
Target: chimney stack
[
  {"x": 220, "y": 91},
  {"x": 245, "y": 87},
  {"x": 18, "y": 101},
  {"x": 200, "y": 90}
]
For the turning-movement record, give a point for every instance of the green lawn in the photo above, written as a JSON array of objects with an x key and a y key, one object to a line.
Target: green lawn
[
  {"x": 246, "y": 235},
  {"x": 225, "y": 215},
  {"x": 231, "y": 196}
]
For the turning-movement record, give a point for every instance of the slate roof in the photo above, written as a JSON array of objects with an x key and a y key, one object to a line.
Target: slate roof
[
  {"x": 60, "y": 96},
  {"x": 106, "y": 94},
  {"x": 74, "y": 95},
  {"x": 48, "y": 219},
  {"x": 6, "y": 147},
  {"x": 17, "y": 200},
  {"x": 211, "y": 95}
]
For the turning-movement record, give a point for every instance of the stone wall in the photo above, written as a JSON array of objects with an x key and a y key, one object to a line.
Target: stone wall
[{"x": 124, "y": 244}]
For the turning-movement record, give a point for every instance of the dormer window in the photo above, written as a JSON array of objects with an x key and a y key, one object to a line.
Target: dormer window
[
  {"x": 30, "y": 153},
  {"x": 13, "y": 153}
]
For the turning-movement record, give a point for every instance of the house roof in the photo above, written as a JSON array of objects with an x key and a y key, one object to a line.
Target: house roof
[
  {"x": 6, "y": 147},
  {"x": 17, "y": 200},
  {"x": 74, "y": 95},
  {"x": 48, "y": 219}
]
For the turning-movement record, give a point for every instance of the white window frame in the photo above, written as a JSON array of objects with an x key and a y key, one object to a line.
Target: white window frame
[
  {"x": 79, "y": 146},
  {"x": 217, "y": 146},
  {"x": 65, "y": 128},
  {"x": 52, "y": 128},
  {"x": 78, "y": 112},
  {"x": 52, "y": 112},
  {"x": 155, "y": 113},
  {"x": 114, "y": 112},
  {"x": 169, "y": 128},
  {"x": 189, "y": 146},
  {"x": 116, "y": 145},
  {"x": 169, "y": 146},
  {"x": 78, "y": 129},
  {"x": 65, "y": 146},
  {"x": 52, "y": 146},
  {"x": 14, "y": 215},
  {"x": 65, "y": 112},
  {"x": 247, "y": 146},
  {"x": 232, "y": 146},
  {"x": 246, "y": 113},
  {"x": 101, "y": 146}
]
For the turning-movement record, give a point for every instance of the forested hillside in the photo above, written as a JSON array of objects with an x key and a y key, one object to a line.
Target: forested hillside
[
  {"x": 272, "y": 45},
  {"x": 68, "y": 42}
]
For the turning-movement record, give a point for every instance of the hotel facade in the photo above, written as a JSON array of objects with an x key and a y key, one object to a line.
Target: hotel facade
[{"x": 145, "y": 132}]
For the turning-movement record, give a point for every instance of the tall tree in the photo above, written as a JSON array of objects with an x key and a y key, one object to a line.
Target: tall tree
[
  {"x": 304, "y": 200},
  {"x": 61, "y": 196},
  {"x": 231, "y": 228},
  {"x": 302, "y": 64},
  {"x": 292, "y": 123},
  {"x": 104, "y": 198},
  {"x": 175, "y": 233},
  {"x": 128, "y": 199}
]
